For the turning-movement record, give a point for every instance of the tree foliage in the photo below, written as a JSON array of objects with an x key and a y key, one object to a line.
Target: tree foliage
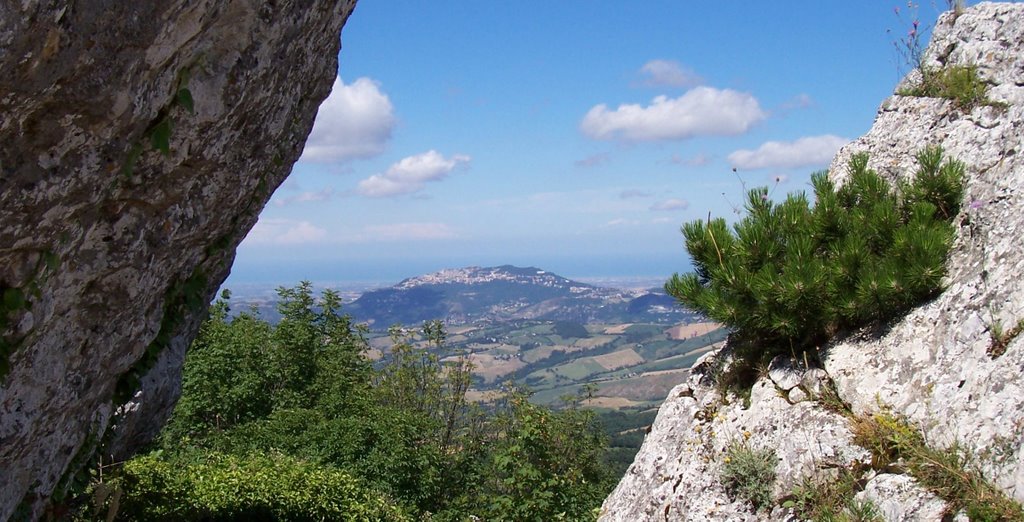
[
  {"x": 790, "y": 275},
  {"x": 214, "y": 486},
  {"x": 292, "y": 422}
]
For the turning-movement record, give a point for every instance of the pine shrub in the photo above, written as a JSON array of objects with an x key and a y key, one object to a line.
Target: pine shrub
[{"x": 790, "y": 275}]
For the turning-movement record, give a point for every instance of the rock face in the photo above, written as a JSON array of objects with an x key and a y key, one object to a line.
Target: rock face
[
  {"x": 931, "y": 367},
  {"x": 138, "y": 143}
]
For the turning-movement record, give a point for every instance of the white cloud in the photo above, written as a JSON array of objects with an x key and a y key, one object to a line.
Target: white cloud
[
  {"x": 671, "y": 204},
  {"x": 409, "y": 232},
  {"x": 306, "y": 197},
  {"x": 284, "y": 232},
  {"x": 410, "y": 174},
  {"x": 809, "y": 151},
  {"x": 668, "y": 73},
  {"x": 701, "y": 111},
  {"x": 662, "y": 221},
  {"x": 355, "y": 121}
]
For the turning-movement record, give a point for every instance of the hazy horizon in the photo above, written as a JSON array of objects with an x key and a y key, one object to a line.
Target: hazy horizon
[{"x": 272, "y": 273}]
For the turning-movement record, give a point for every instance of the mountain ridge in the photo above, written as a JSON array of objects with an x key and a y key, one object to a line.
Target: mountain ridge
[{"x": 508, "y": 292}]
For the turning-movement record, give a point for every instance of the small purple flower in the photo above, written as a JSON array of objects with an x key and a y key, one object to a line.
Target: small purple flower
[{"x": 976, "y": 204}]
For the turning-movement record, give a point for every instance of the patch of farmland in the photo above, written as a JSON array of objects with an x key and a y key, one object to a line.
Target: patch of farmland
[
  {"x": 619, "y": 359},
  {"x": 579, "y": 369},
  {"x": 643, "y": 387},
  {"x": 491, "y": 367},
  {"x": 618, "y": 329},
  {"x": 543, "y": 352},
  {"x": 593, "y": 342},
  {"x": 688, "y": 331},
  {"x": 614, "y": 403},
  {"x": 483, "y": 396}
]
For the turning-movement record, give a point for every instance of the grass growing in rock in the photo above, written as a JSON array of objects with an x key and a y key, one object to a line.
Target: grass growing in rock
[
  {"x": 1000, "y": 338},
  {"x": 949, "y": 473},
  {"x": 789, "y": 276},
  {"x": 959, "y": 83},
  {"x": 749, "y": 474},
  {"x": 833, "y": 500}
]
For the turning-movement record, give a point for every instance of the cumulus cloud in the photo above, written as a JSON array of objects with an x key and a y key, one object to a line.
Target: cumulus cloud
[
  {"x": 410, "y": 232},
  {"x": 808, "y": 151},
  {"x": 671, "y": 204},
  {"x": 410, "y": 174},
  {"x": 668, "y": 73},
  {"x": 701, "y": 111},
  {"x": 355, "y": 121},
  {"x": 306, "y": 197},
  {"x": 285, "y": 232}
]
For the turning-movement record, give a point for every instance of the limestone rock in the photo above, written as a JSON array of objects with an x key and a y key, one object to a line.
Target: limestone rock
[
  {"x": 138, "y": 143},
  {"x": 785, "y": 372},
  {"x": 930, "y": 367},
  {"x": 675, "y": 474},
  {"x": 899, "y": 499}
]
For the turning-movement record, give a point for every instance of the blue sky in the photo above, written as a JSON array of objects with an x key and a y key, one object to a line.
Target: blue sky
[{"x": 576, "y": 136}]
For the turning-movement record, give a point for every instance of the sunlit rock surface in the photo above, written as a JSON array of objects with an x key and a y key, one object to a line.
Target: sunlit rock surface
[
  {"x": 138, "y": 143},
  {"x": 931, "y": 367}
]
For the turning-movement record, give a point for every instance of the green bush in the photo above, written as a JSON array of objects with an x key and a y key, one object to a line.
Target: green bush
[
  {"x": 789, "y": 275},
  {"x": 211, "y": 486},
  {"x": 347, "y": 440}
]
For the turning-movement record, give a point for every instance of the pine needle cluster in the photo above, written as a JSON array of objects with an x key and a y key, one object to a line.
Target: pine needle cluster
[{"x": 790, "y": 275}]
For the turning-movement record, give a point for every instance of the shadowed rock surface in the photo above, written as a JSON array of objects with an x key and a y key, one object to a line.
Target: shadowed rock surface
[
  {"x": 931, "y": 367},
  {"x": 138, "y": 143}
]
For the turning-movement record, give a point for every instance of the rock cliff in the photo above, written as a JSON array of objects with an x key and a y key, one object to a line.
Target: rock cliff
[
  {"x": 931, "y": 368},
  {"x": 138, "y": 143}
]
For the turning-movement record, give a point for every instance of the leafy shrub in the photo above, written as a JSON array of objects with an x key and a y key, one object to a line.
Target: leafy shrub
[
  {"x": 790, "y": 275},
  {"x": 749, "y": 474},
  {"x": 546, "y": 465},
  {"x": 347, "y": 440},
  {"x": 211, "y": 486}
]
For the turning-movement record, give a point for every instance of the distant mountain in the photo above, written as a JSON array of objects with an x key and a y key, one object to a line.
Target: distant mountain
[{"x": 473, "y": 294}]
